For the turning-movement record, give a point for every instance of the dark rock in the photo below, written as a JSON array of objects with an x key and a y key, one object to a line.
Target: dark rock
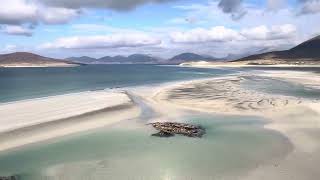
[
  {"x": 163, "y": 134},
  {"x": 168, "y": 129},
  {"x": 8, "y": 178}
]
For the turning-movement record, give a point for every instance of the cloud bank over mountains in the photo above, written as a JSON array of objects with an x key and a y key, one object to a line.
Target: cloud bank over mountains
[{"x": 101, "y": 42}]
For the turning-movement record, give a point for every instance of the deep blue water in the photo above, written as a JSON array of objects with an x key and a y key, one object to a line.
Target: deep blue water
[{"x": 25, "y": 83}]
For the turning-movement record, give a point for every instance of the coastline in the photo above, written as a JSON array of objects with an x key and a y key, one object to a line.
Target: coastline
[
  {"x": 205, "y": 64},
  {"x": 295, "y": 118},
  {"x": 37, "y": 66}
]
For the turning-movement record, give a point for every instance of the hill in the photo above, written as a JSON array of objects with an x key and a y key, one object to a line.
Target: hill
[
  {"x": 132, "y": 59},
  {"x": 82, "y": 59},
  {"x": 307, "y": 52},
  {"x": 25, "y": 59},
  {"x": 142, "y": 59},
  {"x": 187, "y": 57}
]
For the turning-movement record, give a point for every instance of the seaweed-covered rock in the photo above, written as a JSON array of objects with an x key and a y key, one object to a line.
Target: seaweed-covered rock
[{"x": 168, "y": 129}]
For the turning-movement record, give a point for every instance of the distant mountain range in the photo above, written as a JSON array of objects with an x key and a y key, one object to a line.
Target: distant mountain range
[
  {"x": 306, "y": 51},
  {"x": 26, "y": 59},
  {"x": 142, "y": 59},
  {"x": 132, "y": 59},
  {"x": 187, "y": 57}
]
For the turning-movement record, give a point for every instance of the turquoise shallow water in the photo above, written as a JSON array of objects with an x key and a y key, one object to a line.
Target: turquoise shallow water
[
  {"x": 281, "y": 87},
  {"x": 232, "y": 146}
]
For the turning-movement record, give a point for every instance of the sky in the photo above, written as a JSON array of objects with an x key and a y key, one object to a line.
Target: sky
[{"x": 162, "y": 28}]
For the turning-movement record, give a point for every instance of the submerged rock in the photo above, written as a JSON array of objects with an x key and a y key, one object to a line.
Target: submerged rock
[{"x": 168, "y": 129}]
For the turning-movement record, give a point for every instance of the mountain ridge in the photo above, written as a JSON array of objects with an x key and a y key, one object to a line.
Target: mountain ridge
[
  {"x": 25, "y": 59},
  {"x": 306, "y": 51},
  {"x": 146, "y": 59}
]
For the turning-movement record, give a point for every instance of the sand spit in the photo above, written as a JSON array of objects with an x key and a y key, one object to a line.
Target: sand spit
[
  {"x": 224, "y": 95},
  {"x": 41, "y": 119},
  {"x": 205, "y": 64}
]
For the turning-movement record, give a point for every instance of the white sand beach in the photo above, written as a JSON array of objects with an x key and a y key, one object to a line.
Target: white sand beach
[
  {"x": 205, "y": 64},
  {"x": 35, "y": 120},
  {"x": 296, "y": 118}
]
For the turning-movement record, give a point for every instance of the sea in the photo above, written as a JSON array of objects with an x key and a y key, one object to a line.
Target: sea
[
  {"x": 28, "y": 83},
  {"x": 232, "y": 145}
]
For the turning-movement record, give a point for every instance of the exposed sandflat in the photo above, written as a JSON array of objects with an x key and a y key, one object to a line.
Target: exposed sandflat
[
  {"x": 35, "y": 120},
  {"x": 30, "y": 112}
]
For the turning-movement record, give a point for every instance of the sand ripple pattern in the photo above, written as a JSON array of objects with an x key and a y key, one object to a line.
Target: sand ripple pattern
[{"x": 225, "y": 95}]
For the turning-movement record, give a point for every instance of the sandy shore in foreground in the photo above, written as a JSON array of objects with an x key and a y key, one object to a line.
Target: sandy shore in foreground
[
  {"x": 35, "y": 120},
  {"x": 296, "y": 118}
]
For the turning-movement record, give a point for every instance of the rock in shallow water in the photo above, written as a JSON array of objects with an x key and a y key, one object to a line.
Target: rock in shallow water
[{"x": 169, "y": 129}]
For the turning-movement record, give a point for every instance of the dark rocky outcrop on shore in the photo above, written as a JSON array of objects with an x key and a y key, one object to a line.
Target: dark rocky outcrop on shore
[
  {"x": 8, "y": 178},
  {"x": 169, "y": 129}
]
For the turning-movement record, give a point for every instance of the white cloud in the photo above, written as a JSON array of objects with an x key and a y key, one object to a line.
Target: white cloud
[
  {"x": 57, "y": 15},
  {"x": 17, "y": 30},
  {"x": 310, "y": 6},
  {"x": 103, "y": 42},
  {"x": 223, "y": 34},
  {"x": 201, "y": 35},
  {"x": 19, "y": 12},
  {"x": 286, "y": 31}
]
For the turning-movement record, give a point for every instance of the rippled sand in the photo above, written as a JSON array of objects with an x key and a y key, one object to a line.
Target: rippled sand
[
  {"x": 295, "y": 117},
  {"x": 225, "y": 96}
]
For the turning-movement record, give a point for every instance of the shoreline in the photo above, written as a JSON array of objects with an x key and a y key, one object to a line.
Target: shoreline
[
  {"x": 239, "y": 64},
  {"x": 295, "y": 118},
  {"x": 38, "y": 66}
]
